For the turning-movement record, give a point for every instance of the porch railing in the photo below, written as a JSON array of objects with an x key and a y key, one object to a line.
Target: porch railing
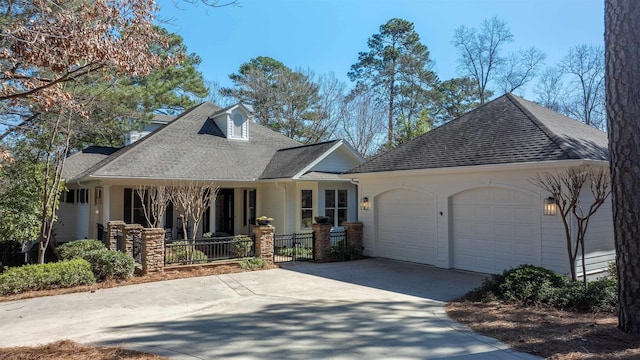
[{"x": 205, "y": 250}]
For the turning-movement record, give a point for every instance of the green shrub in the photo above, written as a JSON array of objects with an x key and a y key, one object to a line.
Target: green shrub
[
  {"x": 528, "y": 284},
  {"x": 62, "y": 274},
  {"x": 253, "y": 263},
  {"x": 343, "y": 252},
  {"x": 79, "y": 248},
  {"x": 108, "y": 264},
  {"x": 182, "y": 252},
  {"x": 596, "y": 296},
  {"x": 242, "y": 245}
]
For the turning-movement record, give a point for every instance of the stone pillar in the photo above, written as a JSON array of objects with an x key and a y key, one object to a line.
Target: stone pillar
[
  {"x": 114, "y": 228},
  {"x": 152, "y": 251},
  {"x": 264, "y": 242},
  {"x": 129, "y": 231},
  {"x": 353, "y": 230},
  {"x": 321, "y": 242}
]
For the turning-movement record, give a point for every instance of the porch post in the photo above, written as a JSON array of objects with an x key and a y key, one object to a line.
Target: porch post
[
  {"x": 321, "y": 242},
  {"x": 128, "y": 233},
  {"x": 152, "y": 251},
  {"x": 114, "y": 229},
  {"x": 353, "y": 230},
  {"x": 264, "y": 242},
  {"x": 106, "y": 203}
]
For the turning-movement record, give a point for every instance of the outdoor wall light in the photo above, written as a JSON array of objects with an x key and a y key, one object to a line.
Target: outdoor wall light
[
  {"x": 364, "y": 205},
  {"x": 550, "y": 208}
]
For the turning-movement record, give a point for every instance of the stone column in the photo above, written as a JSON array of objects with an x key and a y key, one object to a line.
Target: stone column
[
  {"x": 353, "y": 230},
  {"x": 152, "y": 251},
  {"x": 114, "y": 228},
  {"x": 264, "y": 242},
  {"x": 129, "y": 231},
  {"x": 321, "y": 242}
]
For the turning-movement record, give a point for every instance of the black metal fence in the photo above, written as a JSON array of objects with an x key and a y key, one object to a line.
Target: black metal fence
[
  {"x": 293, "y": 247},
  {"x": 137, "y": 247},
  {"x": 205, "y": 250},
  {"x": 338, "y": 238}
]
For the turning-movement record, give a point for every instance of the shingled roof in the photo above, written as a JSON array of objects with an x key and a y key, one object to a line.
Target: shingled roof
[
  {"x": 506, "y": 130},
  {"x": 287, "y": 163},
  {"x": 192, "y": 147},
  {"x": 83, "y": 160}
]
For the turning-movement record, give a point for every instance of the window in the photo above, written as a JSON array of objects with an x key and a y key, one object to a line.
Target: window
[
  {"x": 249, "y": 207},
  {"x": 133, "y": 211},
  {"x": 70, "y": 196},
  {"x": 238, "y": 121},
  {"x": 82, "y": 196},
  {"x": 336, "y": 205},
  {"x": 306, "y": 209}
]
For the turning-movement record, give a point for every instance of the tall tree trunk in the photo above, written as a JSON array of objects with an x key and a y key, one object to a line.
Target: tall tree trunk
[
  {"x": 622, "y": 56},
  {"x": 392, "y": 95}
]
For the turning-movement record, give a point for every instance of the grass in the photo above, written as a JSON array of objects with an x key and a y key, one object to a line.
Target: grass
[{"x": 548, "y": 332}]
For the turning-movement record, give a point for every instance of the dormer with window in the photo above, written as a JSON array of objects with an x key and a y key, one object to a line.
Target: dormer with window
[{"x": 234, "y": 122}]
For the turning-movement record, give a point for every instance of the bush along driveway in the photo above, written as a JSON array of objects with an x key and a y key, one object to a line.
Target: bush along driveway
[{"x": 370, "y": 308}]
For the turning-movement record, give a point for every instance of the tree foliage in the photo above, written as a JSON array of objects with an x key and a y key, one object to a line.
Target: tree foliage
[
  {"x": 49, "y": 43},
  {"x": 285, "y": 100},
  {"x": 454, "y": 98},
  {"x": 50, "y": 52},
  {"x": 397, "y": 69}
]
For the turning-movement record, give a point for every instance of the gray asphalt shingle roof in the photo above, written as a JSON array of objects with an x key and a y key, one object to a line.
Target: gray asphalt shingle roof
[
  {"x": 286, "y": 163},
  {"x": 83, "y": 160},
  {"x": 508, "y": 129},
  {"x": 192, "y": 147}
]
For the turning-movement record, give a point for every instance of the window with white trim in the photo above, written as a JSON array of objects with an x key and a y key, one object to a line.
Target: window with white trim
[
  {"x": 306, "y": 209},
  {"x": 336, "y": 204}
]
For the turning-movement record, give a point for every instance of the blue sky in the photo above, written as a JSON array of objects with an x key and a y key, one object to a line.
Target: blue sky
[{"x": 326, "y": 35}]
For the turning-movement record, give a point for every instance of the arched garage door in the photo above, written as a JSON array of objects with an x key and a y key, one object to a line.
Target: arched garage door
[
  {"x": 494, "y": 229},
  {"x": 405, "y": 226}
]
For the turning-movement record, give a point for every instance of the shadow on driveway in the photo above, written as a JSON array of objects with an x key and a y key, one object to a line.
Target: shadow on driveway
[
  {"x": 419, "y": 280},
  {"x": 319, "y": 329}
]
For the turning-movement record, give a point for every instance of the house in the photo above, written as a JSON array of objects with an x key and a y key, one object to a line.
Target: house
[
  {"x": 258, "y": 172},
  {"x": 461, "y": 196}
]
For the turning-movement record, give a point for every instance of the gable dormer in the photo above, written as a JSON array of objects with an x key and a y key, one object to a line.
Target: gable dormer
[{"x": 234, "y": 122}]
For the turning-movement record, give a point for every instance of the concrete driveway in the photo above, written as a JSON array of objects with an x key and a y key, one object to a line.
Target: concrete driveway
[{"x": 370, "y": 308}]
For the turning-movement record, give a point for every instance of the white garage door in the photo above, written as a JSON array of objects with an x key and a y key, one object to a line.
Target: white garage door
[
  {"x": 495, "y": 229},
  {"x": 405, "y": 224}
]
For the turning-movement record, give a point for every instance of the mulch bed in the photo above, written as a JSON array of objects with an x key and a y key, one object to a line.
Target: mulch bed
[
  {"x": 548, "y": 332},
  {"x": 70, "y": 350}
]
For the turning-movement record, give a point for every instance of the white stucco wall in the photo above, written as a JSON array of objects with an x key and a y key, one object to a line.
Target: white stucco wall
[{"x": 444, "y": 185}]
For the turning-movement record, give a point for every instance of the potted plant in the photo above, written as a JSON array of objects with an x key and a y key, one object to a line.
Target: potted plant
[
  {"x": 321, "y": 219},
  {"x": 264, "y": 220}
]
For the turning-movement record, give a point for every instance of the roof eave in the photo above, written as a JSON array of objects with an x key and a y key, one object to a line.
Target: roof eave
[{"x": 478, "y": 168}]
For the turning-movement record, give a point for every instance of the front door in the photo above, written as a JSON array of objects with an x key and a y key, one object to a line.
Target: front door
[{"x": 224, "y": 211}]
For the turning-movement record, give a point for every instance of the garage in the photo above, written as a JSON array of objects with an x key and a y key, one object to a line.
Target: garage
[
  {"x": 405, "y": 226},
  {"x": 495, "y": 229}
]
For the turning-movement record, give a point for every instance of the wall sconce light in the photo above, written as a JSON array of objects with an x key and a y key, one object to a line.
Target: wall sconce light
[
  {"x": 364, "y": 205},
  {"x": 550, "y": 207}
]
